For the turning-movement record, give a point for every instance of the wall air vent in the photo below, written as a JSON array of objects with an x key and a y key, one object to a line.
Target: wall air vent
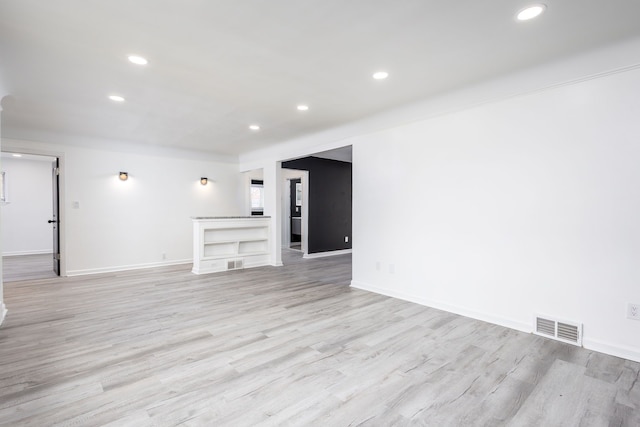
[
  {"x": 560, "y": 330},
  {"x": 234, "y": 264}
]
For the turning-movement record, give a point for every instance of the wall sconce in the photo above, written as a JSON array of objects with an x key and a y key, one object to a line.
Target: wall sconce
[
  {"x": 124, "y": 176},
  {"x": 204, "y": 180}
]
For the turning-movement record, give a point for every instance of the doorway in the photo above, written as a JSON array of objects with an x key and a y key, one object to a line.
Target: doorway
[
  {"x": 295, "y": 213},
  {"x": 295, "y": 208},
  {"x": 30, "y": 216}
]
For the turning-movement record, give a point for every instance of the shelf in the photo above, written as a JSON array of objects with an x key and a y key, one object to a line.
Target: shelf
[
  {"x": 244, "y": 242},
  {"x": 221, "y": 256},
  {"x": 221, "y": 242},
  {"x": 253, "y": 253}
]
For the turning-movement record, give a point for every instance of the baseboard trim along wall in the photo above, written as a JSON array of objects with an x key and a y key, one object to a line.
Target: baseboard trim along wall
[
  {"x": 589, "y": 344},
  {"x": 127, "y": 267},
  {"x": 34, "y": 252},
  {"x": 612, "y": 349},
  {"x": 485, "y": 317},
  {"x": 328, "y": 253}
]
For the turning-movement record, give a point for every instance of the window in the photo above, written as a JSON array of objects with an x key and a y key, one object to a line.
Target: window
[{"x": 257, "y": 197}]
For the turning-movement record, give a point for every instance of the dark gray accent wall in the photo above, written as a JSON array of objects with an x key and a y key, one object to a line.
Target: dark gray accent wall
[{"x": 329, "y": 202}]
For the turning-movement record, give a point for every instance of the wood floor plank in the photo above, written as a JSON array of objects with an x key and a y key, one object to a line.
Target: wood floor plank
[{"x": 288, "y": 346}]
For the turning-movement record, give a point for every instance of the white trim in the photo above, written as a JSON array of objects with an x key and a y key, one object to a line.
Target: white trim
[
  {"x": 329, "y": 253},
  {"x": 127, "y": 267},
  {"x": 485, "y": 317},
  {"x": 288, "y": 175},
  {"x": 15, "y": 146},
  {"x": 624, "y": 352},
  {"x": 612, "y": 349},
  {"x": 286, "y": 211},
  {"x": 31, "y": 252},
  {"x": 3, "y": 312}
]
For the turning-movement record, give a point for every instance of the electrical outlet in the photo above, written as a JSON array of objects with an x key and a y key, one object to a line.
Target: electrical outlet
[
  {"x": 633, "y": 311},
  {"x": 346, "y": 239},
  {"x": 378, "y": 265},
  {"x": 164, "y": 255}
]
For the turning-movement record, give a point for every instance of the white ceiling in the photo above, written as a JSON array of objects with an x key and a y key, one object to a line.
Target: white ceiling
[{"x": 217, "y": 66}]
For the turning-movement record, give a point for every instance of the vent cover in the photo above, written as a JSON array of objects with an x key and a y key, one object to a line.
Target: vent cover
[
  {"x": 234, "y": 264},
  {"x": 560, "y": 330}
]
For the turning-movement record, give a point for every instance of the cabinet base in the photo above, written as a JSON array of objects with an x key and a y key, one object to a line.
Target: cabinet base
[{"x": 228, "y": 264}]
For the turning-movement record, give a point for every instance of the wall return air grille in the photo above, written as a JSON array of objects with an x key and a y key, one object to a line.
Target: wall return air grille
[
  {"x": 560, "y": 330},
  {"x": 234, "y": 264}
]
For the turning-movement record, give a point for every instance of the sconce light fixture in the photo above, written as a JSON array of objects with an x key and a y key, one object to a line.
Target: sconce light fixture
[
  {"x": 204, "y": 180},
  {"x": 124, "y": 176}
]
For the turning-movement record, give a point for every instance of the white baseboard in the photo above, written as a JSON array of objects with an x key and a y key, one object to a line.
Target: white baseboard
[
  {"x": 485, "y": 317},
  {"x": 127, "y": 267},
  {"x": 3, "y": 312},
  {"x": 590, "y": 344},
  {"x": 34, "y": 252},
  {"x": 328, "y": 253},
  {"x": 612, "y": 349}
]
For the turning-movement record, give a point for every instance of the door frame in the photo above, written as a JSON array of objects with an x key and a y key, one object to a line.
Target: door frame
[
  {"x": 288, "y": 175},
  {"x": 9, "y": 148}
]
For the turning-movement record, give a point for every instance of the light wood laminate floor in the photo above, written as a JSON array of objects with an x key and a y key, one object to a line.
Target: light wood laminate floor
[
  {"x": 293, "y": 346},
  {"x": 27, "y": 267}
]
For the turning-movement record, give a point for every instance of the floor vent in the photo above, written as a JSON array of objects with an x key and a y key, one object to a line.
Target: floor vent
[
  {"x": 560, "y": 330},
  {"x": 234, "y": 264}
]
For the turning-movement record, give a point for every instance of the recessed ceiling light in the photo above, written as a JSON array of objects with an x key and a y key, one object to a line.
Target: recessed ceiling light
[
  {"x": 254, "y": 127},
  {"x": 302, "y": 107},
  {"x": 531, "y": 12},
  {"x": 138, "y": 60},
  {"x": 116, "y": 98},
  {"x": 380, "y": 75},
  {"x": 17, "y": 155}
]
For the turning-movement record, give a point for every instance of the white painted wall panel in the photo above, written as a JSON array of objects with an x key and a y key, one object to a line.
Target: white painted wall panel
[
  {"x": 522, "y": 206},
  {"x": 128, "y": 224}
]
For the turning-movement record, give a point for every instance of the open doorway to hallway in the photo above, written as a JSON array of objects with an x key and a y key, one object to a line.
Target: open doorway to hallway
[
  {"x": 295, "y": 198},
  {"x": 30, "y": 224},
  {"x": 325, "y": 202}
]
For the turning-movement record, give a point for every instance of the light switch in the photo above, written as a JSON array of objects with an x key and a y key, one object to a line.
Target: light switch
[{"x": 75, "y": 204}]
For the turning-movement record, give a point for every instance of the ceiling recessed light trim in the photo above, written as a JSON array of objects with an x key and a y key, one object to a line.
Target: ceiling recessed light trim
[
  {"x": 137, "y": 59},
  {"x": 116, "y": 98},
  {"x": 531, "y": 12},
  {"x": 16, "y": 155},
  {"x": 254, "y": 127},
  {"x": 380, "y": 75},
  {"x": 302, "y": 107}
]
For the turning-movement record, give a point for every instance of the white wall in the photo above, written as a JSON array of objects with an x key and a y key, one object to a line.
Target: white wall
[
  {"x": 522, "y": 206},
  {"x": 3, "y": 309},
  {"x": 24, "y": 219},
  {"x": 129, "y": 224},
  {"x": 514, "y": 197}
]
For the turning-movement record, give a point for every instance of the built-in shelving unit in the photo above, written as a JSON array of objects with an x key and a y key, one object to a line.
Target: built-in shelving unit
[{"x": 230, "y": 243}]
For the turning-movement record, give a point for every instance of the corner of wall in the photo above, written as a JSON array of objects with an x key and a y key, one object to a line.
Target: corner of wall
[
  {"x": 3, "y": 312},
  {"x": 3, "y": 309}
]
